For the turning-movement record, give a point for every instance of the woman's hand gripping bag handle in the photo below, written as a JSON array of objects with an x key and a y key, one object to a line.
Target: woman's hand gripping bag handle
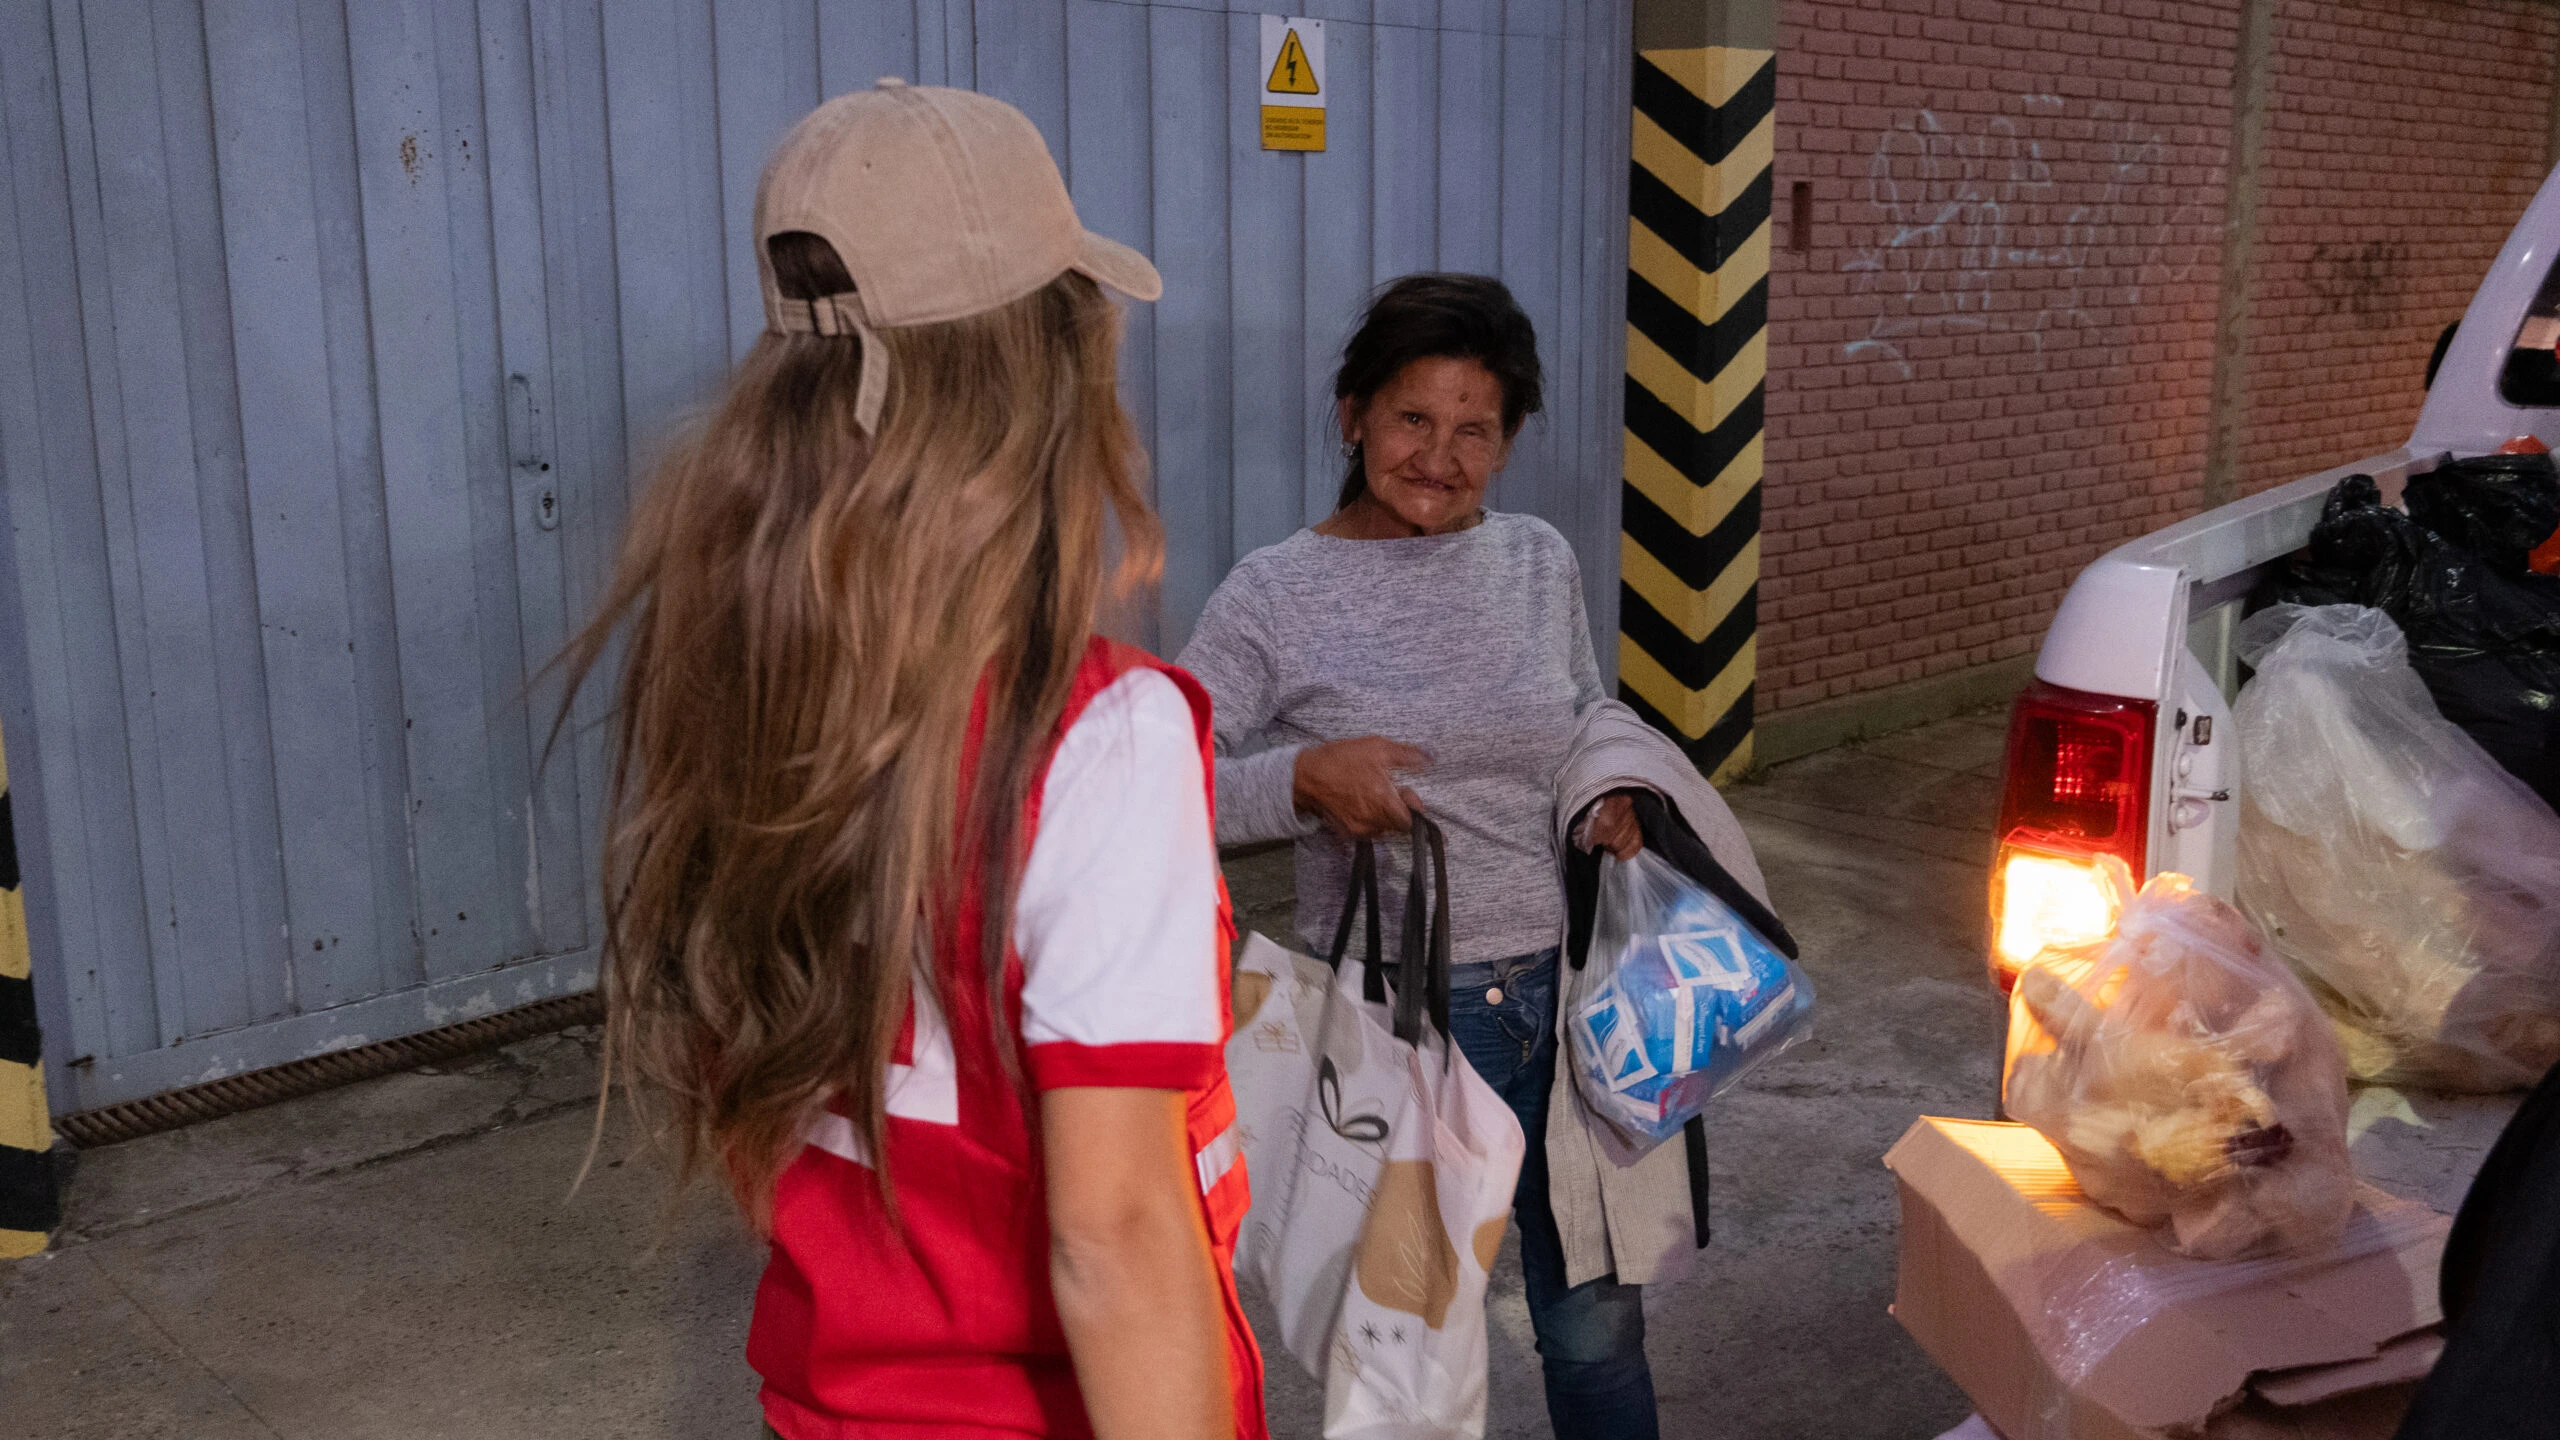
[
  {"x": 1421, "y": 978},
  {"x": 1681, "y": 999}
]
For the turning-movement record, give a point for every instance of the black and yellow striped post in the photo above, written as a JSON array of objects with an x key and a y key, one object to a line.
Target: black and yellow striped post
[
  {"x": 29, "y": 1204},
  {"x": 1697, "y": 359}
]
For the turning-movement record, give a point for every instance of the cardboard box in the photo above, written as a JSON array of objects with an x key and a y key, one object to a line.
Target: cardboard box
[{"x": 2063, "y": 1322}]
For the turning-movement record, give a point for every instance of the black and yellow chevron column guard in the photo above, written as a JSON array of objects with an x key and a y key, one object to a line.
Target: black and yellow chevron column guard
[
  {"x": 29, "y": 1205},
  {"x": 1697, "y": 360}
]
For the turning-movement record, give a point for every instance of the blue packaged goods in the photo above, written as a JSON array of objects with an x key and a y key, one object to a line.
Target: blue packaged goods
[{"x": 1680, "y": 1000}]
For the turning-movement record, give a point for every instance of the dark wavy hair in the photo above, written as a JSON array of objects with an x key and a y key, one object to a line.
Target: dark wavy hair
[{"x": 1440, "y": 317}]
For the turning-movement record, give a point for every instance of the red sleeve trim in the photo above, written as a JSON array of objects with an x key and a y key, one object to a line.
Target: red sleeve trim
[{"x": 1166, "y": 1065}]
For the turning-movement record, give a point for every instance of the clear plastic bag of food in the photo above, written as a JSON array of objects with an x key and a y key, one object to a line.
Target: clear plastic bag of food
[
  {"x": 2409, "y": 879},
  {"x": 1680, "y": 999},
  {"x": 2186, "y": 1077}
]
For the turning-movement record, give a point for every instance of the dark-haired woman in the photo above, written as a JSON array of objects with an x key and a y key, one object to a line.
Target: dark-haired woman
[{"x": 1418, "y": 649}]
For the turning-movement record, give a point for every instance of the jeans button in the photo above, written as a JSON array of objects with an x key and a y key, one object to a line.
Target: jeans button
[{"x": 1493, "y": 996}]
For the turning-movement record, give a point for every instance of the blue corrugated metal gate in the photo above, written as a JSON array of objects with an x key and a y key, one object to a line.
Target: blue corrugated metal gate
[{"x": 331, "y": 333}]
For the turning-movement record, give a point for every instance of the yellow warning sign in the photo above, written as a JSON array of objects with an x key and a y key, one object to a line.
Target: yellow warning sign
[
  {"x": 1292, "y": 127},
  {"x": 1291, "y": 74},
  {"x": 1293, "y": 98}
]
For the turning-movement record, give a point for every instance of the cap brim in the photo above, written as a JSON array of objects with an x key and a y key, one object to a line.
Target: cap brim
[{"x": 1116, "y": 265}]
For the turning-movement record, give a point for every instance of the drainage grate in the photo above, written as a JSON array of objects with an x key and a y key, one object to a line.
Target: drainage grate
[{"x": 89, "y": 1129}]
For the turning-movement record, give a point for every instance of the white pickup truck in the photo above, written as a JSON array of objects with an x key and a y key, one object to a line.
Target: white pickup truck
[{"x": 2122, "y": 744}]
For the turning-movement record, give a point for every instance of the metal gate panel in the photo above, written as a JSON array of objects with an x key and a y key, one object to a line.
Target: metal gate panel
[
  {"x": 342, "y": 881},
  {"x": 332, "y": 336},
  {"x": 279, "y": 617},
  {"x": 1466, "y": 134}
]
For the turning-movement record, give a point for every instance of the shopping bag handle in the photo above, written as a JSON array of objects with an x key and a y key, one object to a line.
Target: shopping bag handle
[
  {"x": 1364, "y": 886},
  {"x": 1422, "y": 968},
  {"x": 1422, "y": 978}
]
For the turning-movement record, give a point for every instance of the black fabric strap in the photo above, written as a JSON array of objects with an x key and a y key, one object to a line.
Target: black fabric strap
[
  {"x": 1440, "y": 940},
  {"x": 1665, "y": 830},
  {"x": 1694, "y": 1137},
  {"x": 1364, "y": 888},
  {"x": 1422, "y": 973},
  {"x": 1422, "y": 960}
]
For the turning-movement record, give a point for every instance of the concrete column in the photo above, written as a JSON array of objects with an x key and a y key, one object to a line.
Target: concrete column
[
  {"x": 1699, "y": 195},
  {"x": 2227, "y": 419},
  {"x": 2551, "y": 134},
  {"x": 29, "y": 1203}
]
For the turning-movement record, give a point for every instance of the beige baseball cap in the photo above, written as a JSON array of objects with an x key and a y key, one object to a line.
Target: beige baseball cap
[{"x": 941, "y": 203}]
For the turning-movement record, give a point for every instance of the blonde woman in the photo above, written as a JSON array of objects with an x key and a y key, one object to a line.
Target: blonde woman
[{"x": 915, "y": 930}]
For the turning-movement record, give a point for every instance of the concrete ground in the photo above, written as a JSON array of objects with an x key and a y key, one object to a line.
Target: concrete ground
[{"x": 405, "y": 1258}]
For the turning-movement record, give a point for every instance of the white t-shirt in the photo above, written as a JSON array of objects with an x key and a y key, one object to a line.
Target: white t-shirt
[
  {"x": 1116, "y": 921},
  {"x": 1117, "y": 917}
]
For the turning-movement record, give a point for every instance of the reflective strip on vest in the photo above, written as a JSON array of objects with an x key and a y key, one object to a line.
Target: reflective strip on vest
[
  {"x": 926, "y": 1090},
  {"x": 1218, "y": 1157}
]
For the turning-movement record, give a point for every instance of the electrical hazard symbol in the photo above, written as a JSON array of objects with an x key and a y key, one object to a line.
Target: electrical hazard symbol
[
  {"x": 1293, "y": 83},
  {"x": 1291, "y": 74}
]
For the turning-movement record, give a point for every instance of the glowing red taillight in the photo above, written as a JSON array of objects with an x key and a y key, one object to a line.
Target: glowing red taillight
[
  {"x": 2076, "y": 785},
  {"x": 2078, "y": 771}
]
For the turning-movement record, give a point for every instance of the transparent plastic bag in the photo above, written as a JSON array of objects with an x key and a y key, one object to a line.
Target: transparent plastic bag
[
  {"x": 2409, "y": 879},
  {"x": 1680, "y": 999},
  {"x": 2101, "y": 1294},
  {"x": 2186, "y": 1077}
]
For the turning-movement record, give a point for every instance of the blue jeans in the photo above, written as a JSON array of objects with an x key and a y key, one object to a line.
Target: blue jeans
[{"x": 1590, "y": 1336}]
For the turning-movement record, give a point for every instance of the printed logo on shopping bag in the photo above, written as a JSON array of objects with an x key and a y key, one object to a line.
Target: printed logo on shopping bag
[
  {"x": 1612, "y": 1030},
  {"x": 1406, "y": 1260},
  {"x": 1252, "y": 987},
  {"x": 1369, "y": 1129}
]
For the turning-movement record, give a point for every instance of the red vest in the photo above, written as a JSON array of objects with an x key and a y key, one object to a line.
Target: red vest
[{"x": 862, "y": 1335}]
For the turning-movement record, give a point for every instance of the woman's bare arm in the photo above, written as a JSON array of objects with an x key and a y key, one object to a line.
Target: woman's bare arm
[{"x": 1130, "y": 1265}]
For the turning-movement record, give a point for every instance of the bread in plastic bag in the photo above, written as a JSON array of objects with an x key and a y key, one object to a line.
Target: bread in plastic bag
[
  {"x": 2186, "y": 1077},
  {"x": 1680, "y": 999},
  {"x": 2409, "y": 879}
]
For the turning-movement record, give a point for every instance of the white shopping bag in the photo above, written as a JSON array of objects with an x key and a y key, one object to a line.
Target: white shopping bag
[{"x": 1383, "y": 1170}]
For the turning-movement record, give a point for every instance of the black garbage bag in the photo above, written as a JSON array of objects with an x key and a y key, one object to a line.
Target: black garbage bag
[
  {"x": 2485, "y": 639},
  {"x": 2362, "y": 552},
  {"x": 2499, "y": 507}
]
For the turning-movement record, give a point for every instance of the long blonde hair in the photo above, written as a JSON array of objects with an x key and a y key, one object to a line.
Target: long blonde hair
[{"x": 810, "y": 616}]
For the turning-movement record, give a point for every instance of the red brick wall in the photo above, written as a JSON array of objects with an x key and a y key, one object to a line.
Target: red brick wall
[
  {"x": 1993, "y": 360},
  {"x": 2404, "y": 140}
]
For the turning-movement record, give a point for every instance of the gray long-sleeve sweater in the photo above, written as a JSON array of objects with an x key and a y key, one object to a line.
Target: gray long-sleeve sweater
[{"x": 1473, "y": 646}]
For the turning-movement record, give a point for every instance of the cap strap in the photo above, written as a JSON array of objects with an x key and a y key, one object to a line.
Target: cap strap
[
  {"x": 871, "y": 391},
  {"x": 841, "y": 316}
]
